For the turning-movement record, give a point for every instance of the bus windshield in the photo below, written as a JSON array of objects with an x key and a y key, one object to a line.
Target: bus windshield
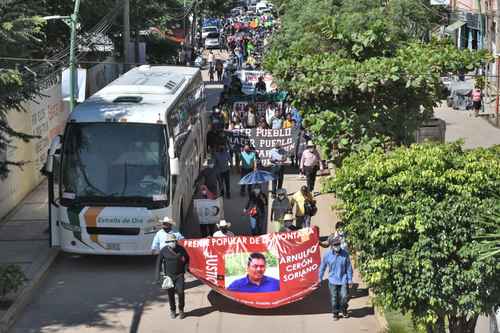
[{"x": 115, "y": 162}]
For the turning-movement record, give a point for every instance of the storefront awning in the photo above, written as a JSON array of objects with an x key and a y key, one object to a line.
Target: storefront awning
[{"x": 454, "y": 26}]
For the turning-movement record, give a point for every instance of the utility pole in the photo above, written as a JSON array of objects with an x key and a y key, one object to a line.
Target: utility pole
[
  {"x": 73, "y": 23},
  {"x": 497, "y": 54},
  {"x": 126, "y": 32}
]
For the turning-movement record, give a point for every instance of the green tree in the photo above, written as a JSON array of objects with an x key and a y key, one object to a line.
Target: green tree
[
  {"x": 489, "y": 243},
  {"x": 363, "y": 66},
  {"x": 20, "y": 35},
  {"x": 412, "y": 216}
]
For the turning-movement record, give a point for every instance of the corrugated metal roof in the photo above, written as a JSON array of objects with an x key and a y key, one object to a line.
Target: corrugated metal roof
[{"x": 157, "y": 86}]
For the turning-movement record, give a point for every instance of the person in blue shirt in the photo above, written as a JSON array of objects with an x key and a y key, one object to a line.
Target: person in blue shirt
[
  {"x": 255, "y": 281},
  {"x": 248, "y": 159},
  {"x": 339, "y": 277}
]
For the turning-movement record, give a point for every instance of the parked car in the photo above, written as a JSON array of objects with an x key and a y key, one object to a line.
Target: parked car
[
  {"x": 207, "y": 30},
  {"x": 212, "y": 41}
]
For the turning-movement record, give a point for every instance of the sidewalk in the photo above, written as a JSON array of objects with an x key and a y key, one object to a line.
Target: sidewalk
[
  {"x": 24, "y": 241},
  {"x": 475, "y": 131},
  {"x": 363, "y": 317}
]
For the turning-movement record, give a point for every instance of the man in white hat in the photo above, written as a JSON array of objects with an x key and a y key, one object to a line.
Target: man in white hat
[
  {"x": 310, "y": 162},
  {"x": 160, "y": 239},
  {"x": 223, "y": 231}
]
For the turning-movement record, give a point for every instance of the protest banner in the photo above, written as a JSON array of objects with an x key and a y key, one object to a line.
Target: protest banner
[
  {"x": 250, "y": 78},
  {"x": 263, "y": 140},
  {"x": 265, "y": 271},
  {"x": 209, "y": 211}
]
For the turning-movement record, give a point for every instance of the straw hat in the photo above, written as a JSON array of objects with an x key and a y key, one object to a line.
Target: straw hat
[
  {"x": 165, "y": 220},
  {"x": 223, "y": 223}
]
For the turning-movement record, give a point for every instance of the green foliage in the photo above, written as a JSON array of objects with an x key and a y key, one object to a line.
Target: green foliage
[
  {"x": 20, "y": 35},
  {"x": 363, "y": 66},
  {"x": 236, "y": 264},
  {"x": 412, "y": 215},
  {"x": 489, "y": 242},
  {"x": 11, "y": 279}
]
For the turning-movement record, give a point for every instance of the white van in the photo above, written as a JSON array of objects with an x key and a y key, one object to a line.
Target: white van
[{"x": 261, "y": 7}]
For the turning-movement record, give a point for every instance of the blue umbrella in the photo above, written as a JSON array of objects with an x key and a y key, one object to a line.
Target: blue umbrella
[{"x": 256, "y": 177}]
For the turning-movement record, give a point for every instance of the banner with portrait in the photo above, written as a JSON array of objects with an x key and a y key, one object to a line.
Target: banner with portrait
[
  {"x": 265, "y": 271},
  {"x": 209, "y": 211},
  {"x": 263, "y": 140}
]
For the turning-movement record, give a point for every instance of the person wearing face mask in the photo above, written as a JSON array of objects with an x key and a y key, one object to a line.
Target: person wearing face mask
[
  {"x": 248, "y": 160},
  {"x": 338, "y": 263},
  {"x": 159, "y": 241},
  {"x": 223, "y": 229},
  {"x": 173, "y": 262},
  {"x": 278, "y": 160},
  {"x": 256, "y": 210},
  {"x": 310, "y": 162},
  {"x": 279, "y": 208},
  {"x": 299, "y": 201},
  {"x": 209, "y": 177}
]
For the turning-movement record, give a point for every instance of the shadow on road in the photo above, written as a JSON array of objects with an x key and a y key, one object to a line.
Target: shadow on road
[{"x": 316, "y": 303}]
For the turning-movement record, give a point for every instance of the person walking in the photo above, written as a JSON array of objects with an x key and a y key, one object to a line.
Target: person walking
[
  {"x": 256, "y": 210},
  {"x": 167, "y": 228},
  {"x": 477, "y": 97},
  {"x": 338, "y": 263},
  {"x": 248, "y": 159},
  {"x": 223, "y": 231},
  {"x": 276, "y": 120},
  {"x": 278, "y": 160},
  {"x": 310, "y": 162},
  {"x": 222, "y": 166},
  {"x": 300, "y": 200},
  {"x": 219, "y": 68},
  {"x": 173, "y": 262},
  {"x": 280, "y": 208},
  {"x": 210, "y": 59}
]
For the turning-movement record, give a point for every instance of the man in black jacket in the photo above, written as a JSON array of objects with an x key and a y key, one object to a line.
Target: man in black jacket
[{"x": 173, "y": 261}]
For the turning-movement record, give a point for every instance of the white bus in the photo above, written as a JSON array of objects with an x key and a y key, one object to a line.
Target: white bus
[{"x": 129, "y": 154}]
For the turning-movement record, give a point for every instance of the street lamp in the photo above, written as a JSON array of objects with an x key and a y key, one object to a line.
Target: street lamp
[{"x": 72, "y": 22}]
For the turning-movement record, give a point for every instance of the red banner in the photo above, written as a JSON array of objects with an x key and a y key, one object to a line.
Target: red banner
[{"x": 265, "y": 271}]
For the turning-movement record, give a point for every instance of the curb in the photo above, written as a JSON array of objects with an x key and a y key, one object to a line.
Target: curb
[
  {"x": 379, "y": 314},
  {"x": 25, "y": 296}
]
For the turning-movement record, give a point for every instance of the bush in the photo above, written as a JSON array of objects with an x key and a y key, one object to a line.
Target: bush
[
  {"x": 412, "y": 216},
  {"x": 11, "y": 279}
]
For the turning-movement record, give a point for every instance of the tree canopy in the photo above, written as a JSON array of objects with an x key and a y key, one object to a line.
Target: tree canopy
[
  {"x": 360, "y": 72},
  {"x": 412, "y": 216},
  {"x": 21, "y": 34}
]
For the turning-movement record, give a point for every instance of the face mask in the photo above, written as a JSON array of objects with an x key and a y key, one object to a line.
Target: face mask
[
  {"x": 311, "y": 150},
  {"x": 336, "y": 248},
  {"x": 281, "y": 197},
  {"x": 204, "y": 192},
  {"x": 257, "y": 191},
  {"x": 210, "y": 165}
]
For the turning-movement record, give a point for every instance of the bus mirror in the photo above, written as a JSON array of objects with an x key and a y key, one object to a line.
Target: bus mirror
[
  {"x": 174, "y": 166},
  {"x": 54, "y": 148}
]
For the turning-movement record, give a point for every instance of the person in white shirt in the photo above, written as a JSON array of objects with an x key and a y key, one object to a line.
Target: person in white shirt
[
  {"x": 160, "y": 239},
  {"x": 223, "y": 229}
]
